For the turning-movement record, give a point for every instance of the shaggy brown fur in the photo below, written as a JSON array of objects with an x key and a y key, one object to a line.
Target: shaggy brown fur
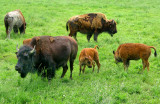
[
  {"x": 45, "y": 54},
  {"x": 133, "y": 51},
  {"x": 14, "y": 20},
  {"x": 92, "y": 23},
  {"x": 27, "y": 41},
  {"x": 89, "y": 56}
]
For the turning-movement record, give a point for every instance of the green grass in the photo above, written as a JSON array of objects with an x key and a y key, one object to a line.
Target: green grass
[{"x": 138, "y": 22}]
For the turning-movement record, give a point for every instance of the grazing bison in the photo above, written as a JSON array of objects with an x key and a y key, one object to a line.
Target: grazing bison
[
  {"x": 89, "y": 56},
  {"x": 49, "y": 53},
  {"x": 92, "y": 23},
  {"x": 133, "y": 51},
  {"x": 14, "y": 20},
  {"x": 27, "y": 41}
]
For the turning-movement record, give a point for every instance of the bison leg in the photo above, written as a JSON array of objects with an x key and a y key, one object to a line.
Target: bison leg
[
  {"x": 50, "y": 73},
  {"x": 65, "y": 68},
  {"x": 145, "y": 64},
  {"x": 41, "y": 72},
  {"x": 96, "y": 59},
  {"x": 89, "y": 36},
  {"x": 75, "y": 36},
  {"x": 93, "y": 66},
  {"x": 84, "y": 68},
  {"x": 95, "y": 36},
  {"x": 80, "y": 68},
  {"x": 126, "y": 64},
  {"x": 9, "y": 31},
  {"x": 71, "y": 68},
  {"x": 6, "y": 26},
  {"x": 15, "y": 30},
  {"x": 22, "y": 29},
  {"x": 98, "y": 64}
]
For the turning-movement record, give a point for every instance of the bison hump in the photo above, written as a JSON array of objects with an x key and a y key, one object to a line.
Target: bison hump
[{"x": 96, "y": 22}]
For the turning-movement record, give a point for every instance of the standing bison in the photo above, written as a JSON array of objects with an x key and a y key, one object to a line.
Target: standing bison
[
  {"x": 92, "y": 23},
  {"x": 14, "y": 20},
  {"x": 133, "y": 51},
  {"x": 46, "y": 54}
]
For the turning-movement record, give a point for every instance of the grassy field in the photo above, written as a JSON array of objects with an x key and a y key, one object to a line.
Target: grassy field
[{"x": 137, "y": 22}]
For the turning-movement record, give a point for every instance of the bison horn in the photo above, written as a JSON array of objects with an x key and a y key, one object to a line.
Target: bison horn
[
  {"x": 32, "y": 50},
  {"x": 113, "y": 21},
  {"x": 17, "y": 48}
]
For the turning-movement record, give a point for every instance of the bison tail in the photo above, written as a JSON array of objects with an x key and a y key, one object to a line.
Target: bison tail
[
  {"x": 96, "y": 47},
  {"x": 67, "y": 25},
  {"x": 155, "y": 53}
]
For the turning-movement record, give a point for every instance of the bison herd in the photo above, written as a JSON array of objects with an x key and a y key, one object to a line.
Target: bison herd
[{"x": 45, "y": 54}]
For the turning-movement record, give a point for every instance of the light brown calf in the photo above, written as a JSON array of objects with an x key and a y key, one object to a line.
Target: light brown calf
[
  {"x": 133, "y": 51},
  {"x": 89, "y": 56},
  {"x": 27, "y": 41}
]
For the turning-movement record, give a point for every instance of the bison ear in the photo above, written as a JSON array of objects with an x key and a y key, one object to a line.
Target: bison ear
[
  {"x": 37, "y": 39},
  {"x": 90, "y": 57},
  {"x": 113, "y": 52}
]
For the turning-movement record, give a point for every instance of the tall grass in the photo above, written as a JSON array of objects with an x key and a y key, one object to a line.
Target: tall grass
[{"x": 137, "y": 22}]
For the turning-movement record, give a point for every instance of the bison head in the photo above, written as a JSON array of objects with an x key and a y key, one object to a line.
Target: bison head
[
  {"x": 25, "y": 62},
  {"x": 111, "y": 27},
  {"x": 116, "y": 56},
  {"x": 87, "y": 61}
]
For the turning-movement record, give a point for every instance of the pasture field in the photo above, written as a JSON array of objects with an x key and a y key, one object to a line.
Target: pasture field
[{"x": 138, "y": 21}]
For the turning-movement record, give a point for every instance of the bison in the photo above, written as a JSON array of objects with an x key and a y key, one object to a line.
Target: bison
[
  {"x": 133, "y": 51},
  {"x": 14, "y": 20},
  {"x": 27, "y": 41},
  {"x": 46, "y": 54},
  {"x": 92, "y": 23},
  {"x": 89, "y": 56}
]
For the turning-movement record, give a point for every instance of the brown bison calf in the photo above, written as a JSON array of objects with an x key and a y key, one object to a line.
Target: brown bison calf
[
  {"x": 14, "y": 20},
  {"x": 92, "y": 23},
  {"x": 133, "y": 51},
  {"x": 27, "y": 41},
  {"x": 89, "y": 56}
]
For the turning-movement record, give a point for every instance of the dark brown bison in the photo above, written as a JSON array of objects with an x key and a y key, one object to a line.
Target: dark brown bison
[
  {"x": 49, "y": 53},
  {"x": 92, "y": 23},
  {"x": 27, "y": 41},
  {"x": 14, "y": 20},
  {"x": 89, "y": 56},
  {"x": 133, "y": 51}
]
